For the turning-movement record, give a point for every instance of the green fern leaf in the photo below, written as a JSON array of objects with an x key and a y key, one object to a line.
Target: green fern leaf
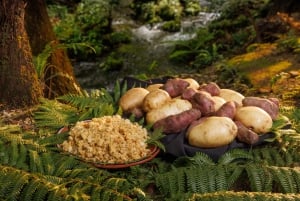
[
  {"x": 35, "y": 164},
  {"x": 40, "y": 194},
  {"x": 54, "y": 115},
  {"x": 29, "y": 190},
  {"x": 234, "y": 173},
  {"x": 256, "y": 177},
  {"x": 235, "y": 155},
  {"x": 221, "y": 178},
  {"x": 22, "y": 158},
  {"x": 284, "y": 178},
  {"x": 201, "y": 158},
  {"x": 63, "y": 164},
  {"x": 18, "y": 183},
  {"x": 13, "y": 153}
]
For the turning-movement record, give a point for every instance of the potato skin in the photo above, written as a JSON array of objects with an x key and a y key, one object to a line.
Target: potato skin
[
  {"x": 172, "y": 107},
  {"x": 133, "y": 98},
  {"x": 231, "y": 95},
  {"x": 192, "y": 83},
  {"x": 270, "y": 106},
  {"x": 175, "y": 87},
  {"x": 245, "y": 134},
  {"x": 155, "y": 99},
  {"x": 212, "y": 132},
  {"x": 254, "y": 118},
  {"x": 178, "y": 122},
  {"x": 152, "y": 87},
  {"x": 228, "y": 109},
  {"x": 204, "y": 102},
  {"x": 211, "y": 88},
  {"x": 218, "y": 102}
]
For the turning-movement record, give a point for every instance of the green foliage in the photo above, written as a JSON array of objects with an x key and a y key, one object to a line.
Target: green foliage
[
  {"x": 33, "y": 169},
  {"x": 112, "y": 63},
  {"x": 242, "y": 196},
  {"x": 198, "y": 52},
  {"x": 165, "y": 10},
  {"x": 262, "y": 168},
  {"x": 291, "y": 43},
  {"x": 89, "y": 23},
  {"x": 171, "y": 26},
  {"x": 68, "y": 109}
]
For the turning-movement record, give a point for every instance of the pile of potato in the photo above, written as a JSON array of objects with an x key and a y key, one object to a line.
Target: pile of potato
[{"x": 211, "y": 116}]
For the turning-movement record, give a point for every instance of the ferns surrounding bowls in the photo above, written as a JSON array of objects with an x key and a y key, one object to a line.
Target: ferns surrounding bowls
[{"x": 32, "y": 167}]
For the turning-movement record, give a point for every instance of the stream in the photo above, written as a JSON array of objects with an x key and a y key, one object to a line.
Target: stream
[{"x": 147, "y": 52}]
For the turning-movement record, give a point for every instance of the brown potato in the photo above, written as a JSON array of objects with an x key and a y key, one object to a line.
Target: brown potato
[
  {"x": 212, "y": 132},
  {"x": 172, "y": 107},
  {"x": 254, "y": 118}
]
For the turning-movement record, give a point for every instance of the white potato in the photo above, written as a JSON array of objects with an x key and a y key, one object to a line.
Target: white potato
[
  {"x": 212, "y": 132},
  {"x": 155, "y": 99},
  {"x": 133, "y": 98},
  {"x": 172, "y": 107},
  {"x": 254, "y": 118},
  {"x": 193, "y": 83},
  {"x": 152, "y": 87},
  {"x": 231, "y": 95},
  {"x": 218, "y": 102}
]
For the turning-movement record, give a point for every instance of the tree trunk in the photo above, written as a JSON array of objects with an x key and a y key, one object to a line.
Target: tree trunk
[
  {"x": 59, "y": 77},
  {"x": 19, "y": 85}
]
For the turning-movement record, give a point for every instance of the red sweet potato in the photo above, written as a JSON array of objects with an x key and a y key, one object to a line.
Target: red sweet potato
[
  {"x": 177, "y": 123},
  {"x": 188, "y": 93},
  {"x": 228, "y": 109},
  {"x": 245, "y": 134},
  {"x": 204, "y": 102},
  {"x": 271, "y": 106},
  {"x": 175, "y": 87},
  {"x": 211, "y": 88}
]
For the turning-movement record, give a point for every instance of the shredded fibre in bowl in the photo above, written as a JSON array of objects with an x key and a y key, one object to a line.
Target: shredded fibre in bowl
[{"x": 108, "y": 139}]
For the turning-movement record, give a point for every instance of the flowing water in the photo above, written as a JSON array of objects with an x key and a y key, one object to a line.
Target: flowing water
[{"x": 146, "y": 55}]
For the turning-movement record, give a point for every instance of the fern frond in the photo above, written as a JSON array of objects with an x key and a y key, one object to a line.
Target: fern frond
[
  {"x": 235, "y": 155},
  {"x": 284, "y": 178},
  {"x": 243, "y": 196},
  {"x": 201, "y": 158},
  {"x": 35, "y": 164},
  {"x": 273, "y": 157},
  {"x": 97, "y": 103},
  {"x": 154, "y": 139},
  {"x": 54, "y": 115},
  {"x": 234, "y": 173},
  {"x": 258, "y": 178}
]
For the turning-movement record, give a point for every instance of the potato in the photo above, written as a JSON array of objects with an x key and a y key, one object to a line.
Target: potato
[
  {"x": 271, "y": 106},
  {"x": 254, "y": 118},
  {"x": 231, "y": 95},
  {"x": 212, "y": 132},
  {"x": 175, "y": 87},
  {"x": 218, "y": 102},
  {"x": 177, "y": 122},
  {"x": 212, "y": 88},
  {"x": 133, "y": 98},
  {"x": 203, "y": 101},
  {"x": 152, "y": 87},
  {"x": 193, "y": 83},
  {"x": 172, "y": 107},
  {"x": 155, "y": 99}
]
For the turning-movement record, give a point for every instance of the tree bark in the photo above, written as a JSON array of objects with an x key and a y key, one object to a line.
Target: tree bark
[
  {"x": 59, "y": 77},
  {"x": 19, "y": 85}
]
